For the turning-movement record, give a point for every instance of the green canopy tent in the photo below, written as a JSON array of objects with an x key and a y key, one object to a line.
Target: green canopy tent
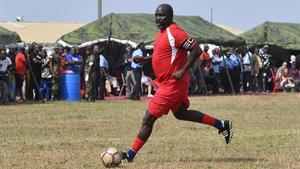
[
  {"x": 283, "y": 39},
  {"x": 134, "y": 28},
  {"x": 8, "y": 37},
  {"x": 285, "y": 35},
  {"x": 115, "y": 30}
]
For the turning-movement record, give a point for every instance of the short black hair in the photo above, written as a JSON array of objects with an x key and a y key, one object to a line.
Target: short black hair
[{"x": 169, "y": 9}]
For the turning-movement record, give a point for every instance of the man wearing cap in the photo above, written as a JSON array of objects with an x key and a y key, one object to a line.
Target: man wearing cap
[{"x": 137, "y": 70}]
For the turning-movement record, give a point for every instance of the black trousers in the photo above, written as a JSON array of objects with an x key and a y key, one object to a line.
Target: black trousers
[
  {"x": 137, "y": 86},
  {"x": 225, "y": 80},
  {"x": 237, "y": 79},
  {"x": 247, "y": 81},
  {"x": 102, "y": 79}
]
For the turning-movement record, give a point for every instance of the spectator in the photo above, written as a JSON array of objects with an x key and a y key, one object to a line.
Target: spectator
[
  {"x": 111, "y": 85},
  {"x": 103, "y": 76},
  {"x": 91, "y": 73},
  {"x": 46, "y": 82},
  {"x": 29, "y": 87},
  {"x": 137, "y": 70},
  {"x": 226, "y": 69},
  {"x": 280, "y": 71},
  {"x": 55, "y": 63},
  {"x": 11, "y": 74},
  {"x": 74, "y": 61},
  {"x": 147, "y": 81},
  {"x": 37, "y": 61},
  {"x": 205, "y": 58},
  {"x": 202, "y": 72},
  {"x": 237, "y": 64},
  {"x": 20, "y": 73},
  {"x": 128, "y": 71},
  {"x": 295, "y": 73},
  {"x": 63, "y": 52},
  {"x": 216, "y": 61},
  {"x": 5, "y": 66},
  {"x": 286, "y": 81},
  {"x": 257, "y": 70},
  {"x": 266, "y": 82},
  {"x": 248, "y": 70}
]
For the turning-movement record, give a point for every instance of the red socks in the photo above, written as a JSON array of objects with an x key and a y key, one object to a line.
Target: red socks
[
  {"x": 137, "y": 144},
  {"x": 206, "y": 119}
]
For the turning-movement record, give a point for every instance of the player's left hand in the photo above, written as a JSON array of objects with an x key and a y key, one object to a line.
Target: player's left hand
[{"x": 178, "y": 74}]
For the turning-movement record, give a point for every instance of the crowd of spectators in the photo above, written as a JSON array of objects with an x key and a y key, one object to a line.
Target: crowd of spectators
[
  {"x": 239, "y": 70},
  {"x": 35, "y": 73}
]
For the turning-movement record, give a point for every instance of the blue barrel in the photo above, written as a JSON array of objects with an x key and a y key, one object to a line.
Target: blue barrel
[{"x": 70, "y": 86}]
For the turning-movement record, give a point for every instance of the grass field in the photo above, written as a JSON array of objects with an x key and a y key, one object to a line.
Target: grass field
[{"x": 71, "y": 135}]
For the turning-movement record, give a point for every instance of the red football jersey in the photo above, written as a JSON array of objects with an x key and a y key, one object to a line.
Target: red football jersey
[{"x": 170, "y": 55}]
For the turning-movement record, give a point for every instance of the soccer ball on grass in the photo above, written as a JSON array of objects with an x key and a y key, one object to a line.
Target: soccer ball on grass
[{"x": 111, "y": 157}]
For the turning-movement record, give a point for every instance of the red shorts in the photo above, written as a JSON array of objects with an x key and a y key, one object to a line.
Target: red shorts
[{"x": 165, "y": 100}]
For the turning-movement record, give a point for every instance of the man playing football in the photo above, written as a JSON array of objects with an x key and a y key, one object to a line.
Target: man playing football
[{"x": 170, "y": 64}]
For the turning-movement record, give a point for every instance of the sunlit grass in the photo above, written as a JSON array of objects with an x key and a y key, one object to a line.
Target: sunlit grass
[{"x": 72, "y": 134}]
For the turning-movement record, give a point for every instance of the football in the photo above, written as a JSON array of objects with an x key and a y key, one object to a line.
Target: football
[{"x": 111, "y": 157}]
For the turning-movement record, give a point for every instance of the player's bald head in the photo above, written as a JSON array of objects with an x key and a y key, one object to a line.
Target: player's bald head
[
  {"x": 163, "y": 16},
  {"x": 167, "y": 9}
]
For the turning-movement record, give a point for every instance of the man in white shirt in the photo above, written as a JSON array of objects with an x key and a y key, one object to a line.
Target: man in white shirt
[
  {"x": 247, "y": 75},
  {"x": 5, "y": 65}
]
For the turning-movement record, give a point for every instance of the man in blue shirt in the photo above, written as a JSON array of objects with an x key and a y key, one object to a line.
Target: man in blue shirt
[
  {"x": 74, "y": 61},
  {"x": 128, "y": 74},
  {"x": 137, "y": 70},
  {"x": 103, "y": 75},
  {"x": 226, "y": 69},
  {"x": 237, "y": 69}
]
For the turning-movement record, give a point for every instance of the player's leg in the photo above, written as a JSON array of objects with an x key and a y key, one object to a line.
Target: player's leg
[
  {"x": 223, "y": 126},
  {"x": 143, "y": 135},
  {"x": 196, "y": 116}
]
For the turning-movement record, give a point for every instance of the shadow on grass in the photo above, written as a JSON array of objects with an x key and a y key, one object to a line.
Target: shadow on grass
[{"x": 225, "y": 159}]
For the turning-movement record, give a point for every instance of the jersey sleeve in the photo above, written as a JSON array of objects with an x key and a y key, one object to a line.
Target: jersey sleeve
[{"x": 182, "y": 39}]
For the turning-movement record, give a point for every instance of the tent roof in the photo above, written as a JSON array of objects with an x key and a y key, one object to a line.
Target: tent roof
[
  {"x": 134, "y": 28},
  {"x": 285, "y": 35},
  {"x": 8, "y": 37}
]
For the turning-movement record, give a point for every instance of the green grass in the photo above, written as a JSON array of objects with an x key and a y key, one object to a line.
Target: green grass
[{"x": 71, "y": 135}]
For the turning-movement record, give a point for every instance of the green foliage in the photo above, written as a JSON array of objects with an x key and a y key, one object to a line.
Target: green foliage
[
  {"x": 8, "y": 37},
  {"x": 141, "y": 27},
  {"x": 285, "y": 35}
]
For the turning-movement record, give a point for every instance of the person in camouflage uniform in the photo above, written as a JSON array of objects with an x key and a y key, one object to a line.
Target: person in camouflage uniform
[
  {"x": 91, "y": 71},
  {"x": 55, "y": 65}
]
